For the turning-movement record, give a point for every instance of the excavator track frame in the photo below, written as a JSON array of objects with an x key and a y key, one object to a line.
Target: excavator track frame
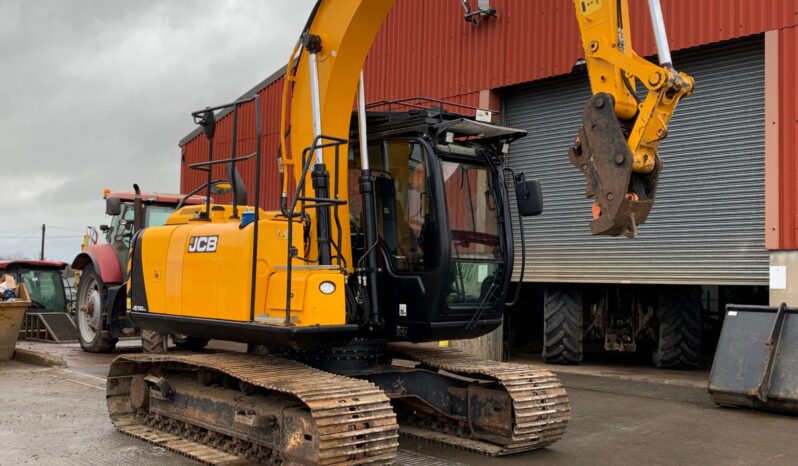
[
  {"x": 512, "y": 407},
  {"x": 354, "y": 421},
  {"x": 539, "y": 405}
]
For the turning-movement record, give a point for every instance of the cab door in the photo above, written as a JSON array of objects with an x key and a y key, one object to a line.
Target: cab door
[{"x": 410, "y": 256}]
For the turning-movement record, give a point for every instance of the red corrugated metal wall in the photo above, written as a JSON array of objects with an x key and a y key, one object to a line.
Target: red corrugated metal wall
[
  {"x": 426, "y": 48},
  {"x": 788, "y": 138},
  {"x": 196, "y": 150}
]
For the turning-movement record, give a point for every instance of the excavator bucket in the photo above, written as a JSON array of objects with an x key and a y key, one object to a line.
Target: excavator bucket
[
  {"x": 756, "y": 363},
  {"x": 623, "y": 198}
]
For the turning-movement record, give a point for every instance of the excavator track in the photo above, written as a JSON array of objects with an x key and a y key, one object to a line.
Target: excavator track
[
  {"x": 235, "y": 409},
  {"x": 540, "y": 406}
]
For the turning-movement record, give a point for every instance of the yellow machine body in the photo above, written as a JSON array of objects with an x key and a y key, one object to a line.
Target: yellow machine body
[
  {"x": 217, "y": 284},
  {"x": 202, "y": 269}
]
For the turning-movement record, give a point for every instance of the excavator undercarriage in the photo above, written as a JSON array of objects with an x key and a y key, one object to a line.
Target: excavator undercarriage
[{"x": 232, "y": 409}]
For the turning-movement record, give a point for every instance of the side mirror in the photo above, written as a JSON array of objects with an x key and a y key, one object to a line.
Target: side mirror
[
  {"x": 529, "y": 196},
  {"x": 113, "y": 206},
  {"x": 104, "y": 228}
]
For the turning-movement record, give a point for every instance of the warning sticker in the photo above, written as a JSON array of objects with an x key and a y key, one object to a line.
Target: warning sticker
[{"x": 588, "y": 7}]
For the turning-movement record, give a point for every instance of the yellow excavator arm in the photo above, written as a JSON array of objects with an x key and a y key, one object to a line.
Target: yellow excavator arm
[
  {"x": 616, "y": 148},
  {"x": 321, "y": 82}
]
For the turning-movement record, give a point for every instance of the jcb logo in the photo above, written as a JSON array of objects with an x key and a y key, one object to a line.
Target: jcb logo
[{"x": 203, "y": 243}]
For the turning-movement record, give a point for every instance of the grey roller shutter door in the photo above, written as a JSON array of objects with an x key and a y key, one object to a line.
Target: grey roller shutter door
[{"x": 707, "y": 225}]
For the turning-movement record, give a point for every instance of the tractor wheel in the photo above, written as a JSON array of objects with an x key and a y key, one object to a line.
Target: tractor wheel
[
  {"x": 677, "y": 342},
  {"x": 188, "y": 343},
  {"x": 90, "y": 314},
  {"x": 154, "y": 342},
  {"x": 562, "y": 325}
]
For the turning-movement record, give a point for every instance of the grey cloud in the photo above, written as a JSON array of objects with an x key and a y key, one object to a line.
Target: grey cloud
[{"x": 97, "y": 94}]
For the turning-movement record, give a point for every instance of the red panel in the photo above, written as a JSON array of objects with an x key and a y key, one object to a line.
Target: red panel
[
  {"x": 104, "y": 260},
  {"x": 426, "y": 48},
  {"x": 788, "y": 138}
]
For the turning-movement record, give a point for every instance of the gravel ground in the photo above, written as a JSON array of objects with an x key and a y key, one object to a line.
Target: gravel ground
[
  {"x": 58, "y": 417},
  {"x": 621, "y": 415}
]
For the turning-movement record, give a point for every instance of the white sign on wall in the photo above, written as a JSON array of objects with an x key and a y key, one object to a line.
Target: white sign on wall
[{"x": 778, "y": 277}]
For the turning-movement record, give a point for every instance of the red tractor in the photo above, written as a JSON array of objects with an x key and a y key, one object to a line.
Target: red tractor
[{"x": 100, "y": 301}]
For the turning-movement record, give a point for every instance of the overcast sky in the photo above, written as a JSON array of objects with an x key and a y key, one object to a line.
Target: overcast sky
[{"x": 97, "y": 93}]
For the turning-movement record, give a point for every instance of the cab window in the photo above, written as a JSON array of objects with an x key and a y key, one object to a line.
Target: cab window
[{"x": 405, "y": 220}]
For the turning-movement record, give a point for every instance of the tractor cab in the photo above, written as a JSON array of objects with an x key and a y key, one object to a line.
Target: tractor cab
[
  {"x": 43, "y": 280},
  {"x": 47, "y": 318},
  {"x": 121, "y": 206}
]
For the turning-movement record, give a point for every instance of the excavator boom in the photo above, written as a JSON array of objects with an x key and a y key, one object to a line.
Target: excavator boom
[{"x": 321, "y": 83}]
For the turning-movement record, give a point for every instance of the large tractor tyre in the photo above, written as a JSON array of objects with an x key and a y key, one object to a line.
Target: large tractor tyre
[
  {"x": 154, "y": 342},
  {"x": 90, "y": 315},
  {"x": 185, "y": 342},
  {"x": 562, "y": 325},
  {"x": 678, "y": 337}
]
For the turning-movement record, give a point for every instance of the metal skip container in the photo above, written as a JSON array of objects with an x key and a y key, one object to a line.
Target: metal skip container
[
  {"x": 11, "y": 315},
  {"x": 756, "y": 362}
]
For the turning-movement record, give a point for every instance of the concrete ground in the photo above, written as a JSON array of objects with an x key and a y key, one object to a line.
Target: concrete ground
[{"x": 622, "y": 414}]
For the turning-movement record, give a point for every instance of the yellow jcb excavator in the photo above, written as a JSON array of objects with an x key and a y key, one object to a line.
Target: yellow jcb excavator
[{"x": 339, "y": 285}]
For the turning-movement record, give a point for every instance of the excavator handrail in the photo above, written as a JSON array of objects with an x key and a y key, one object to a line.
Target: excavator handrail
[
  {"x": 319, "y": 204},
  {"x": 403, "y": 102}
]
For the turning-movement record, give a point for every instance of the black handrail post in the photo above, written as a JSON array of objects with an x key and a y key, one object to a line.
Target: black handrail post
[
  {"x": 319, "y": 203},
  {"x": 335, "y": 207},
  {"x": 207, "y": 119},
  {"x": 233, "y": 177},
  {"x": 208, "y": 190},
  {"x": 258, "y": 132},
  {"x": 288, "y": 267}
]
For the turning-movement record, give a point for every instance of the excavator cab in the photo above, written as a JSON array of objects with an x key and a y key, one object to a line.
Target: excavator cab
[{"x": 440, "y": 201}]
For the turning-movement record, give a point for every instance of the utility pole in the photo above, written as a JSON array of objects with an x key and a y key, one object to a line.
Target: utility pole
[{"x": 41, "y": 256}]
